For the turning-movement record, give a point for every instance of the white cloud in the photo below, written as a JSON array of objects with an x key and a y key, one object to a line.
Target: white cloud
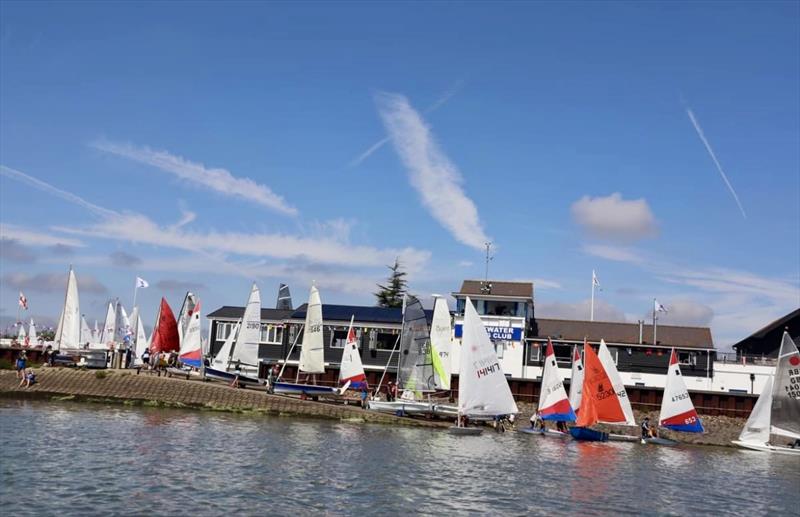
[
  {"x": 432, "y": 174},
  {"x": 615, "y": 253},
  {"x": 713, "y": 156},
  {"x": 466, "y": 263},
  {"x": 36, "y": 238},
  {"x": 612, "y": 217},
  {"x": 684, "y": 312},
  {"x": 216, "y": 179},
  {"x": 50, "y": 189}
]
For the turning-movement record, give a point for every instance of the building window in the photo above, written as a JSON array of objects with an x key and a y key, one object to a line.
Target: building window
[
  {"x": 499, "y": 348},
  {"x": 223, "y": 330},
  {"x": 535, "y": 352},
  {"x": 271, "y": 334},
  {"x": 386, "y": 340},
  {"x": 339, "y": 337},
  {"x": 687, "y": 358}
]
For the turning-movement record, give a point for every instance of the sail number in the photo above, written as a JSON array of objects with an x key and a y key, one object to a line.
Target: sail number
[{"x": 682, "y": 396}]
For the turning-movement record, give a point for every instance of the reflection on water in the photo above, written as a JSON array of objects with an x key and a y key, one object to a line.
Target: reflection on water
[{"x": 82, "y": 459}]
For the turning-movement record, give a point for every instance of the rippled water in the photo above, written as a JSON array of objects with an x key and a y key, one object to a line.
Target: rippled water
[{"x": 92, "y": 459}]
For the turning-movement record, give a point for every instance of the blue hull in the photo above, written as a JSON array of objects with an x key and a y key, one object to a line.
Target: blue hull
[
  {"x": 585, "y": 434},
  {"x": 230, "y": 376},
  {"x": 290, "y": 388}
]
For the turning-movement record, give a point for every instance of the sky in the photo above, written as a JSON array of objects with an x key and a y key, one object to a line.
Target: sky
[{"x": 205, "y": 146}]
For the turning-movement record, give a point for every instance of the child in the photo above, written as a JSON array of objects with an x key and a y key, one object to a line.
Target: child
[{"x": 29, "y": 379}]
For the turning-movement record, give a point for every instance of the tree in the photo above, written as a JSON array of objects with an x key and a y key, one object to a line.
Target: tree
[{"x": 391, "y": 294}]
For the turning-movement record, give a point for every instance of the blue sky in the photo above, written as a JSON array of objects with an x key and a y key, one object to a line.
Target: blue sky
[{"x": 210, "y": 145}]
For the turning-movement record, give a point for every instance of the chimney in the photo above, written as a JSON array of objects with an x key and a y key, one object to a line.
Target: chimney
[{"x": 641, "y": 330}]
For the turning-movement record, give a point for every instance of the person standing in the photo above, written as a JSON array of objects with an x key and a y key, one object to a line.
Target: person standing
[
  {"x": 22, "y": 362},
  {"x": 364, "y": 396}
]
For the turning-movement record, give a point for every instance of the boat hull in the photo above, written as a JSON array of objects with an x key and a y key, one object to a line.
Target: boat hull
[
  {"x": 229, "y": 377},
  {"x": 182, "y": 372},
  {"x": 465, "y": 431},
  {"x": 763, "y": 447},
  {"x": 412, "y": 408},
  {"x": 585, "y": 434},
  {"x": 659, "y": 441},
  {"x": 545, "y": 432},
  {"x": 291, "y": 388}
]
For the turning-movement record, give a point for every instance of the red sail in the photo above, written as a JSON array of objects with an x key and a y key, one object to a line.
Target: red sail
[{"x": 165, "y": 334}]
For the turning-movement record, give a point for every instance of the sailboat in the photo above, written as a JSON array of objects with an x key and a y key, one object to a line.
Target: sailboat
[
  {"x": 553, "y": 401},
  {"x": 677, "y": 410},
  {"x": 138, "y": 337},
  {"x": 576, "y": 378},
  {"x": 187, "y": 309},
  {"x": 122, "y": 326},
  {"x": 190, "y": 355},
  {"x": 68, "y": 333},
  {"x": 483, "y": 389},
  {"x": 106, "y": 340},
  {"x": 32, "y": 337},
  {"x": 604, "y": 399},
  {"x": 240, "y": 362},
  {"x": 441, "y": 343},
  {"x": 22, "y": 335},
  {"x": 415, "y": 371},
  {"x": 165, "y": 331},
  {"x": 312, "y": 358},
  {"x": 777, "y": 410},
  {"x": 351, "y": 369},
  {"x": 86, "y": 333}
]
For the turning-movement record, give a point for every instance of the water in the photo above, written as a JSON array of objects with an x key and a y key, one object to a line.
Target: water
[{"x": 77, "y": 459}]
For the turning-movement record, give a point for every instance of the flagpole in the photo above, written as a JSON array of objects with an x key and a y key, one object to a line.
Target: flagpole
[
  {"x": 654, "y": 322},
  {"x": 591, "y": 311}
]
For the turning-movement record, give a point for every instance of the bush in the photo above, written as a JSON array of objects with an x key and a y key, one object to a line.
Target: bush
[{"x": 100, "y": 374}]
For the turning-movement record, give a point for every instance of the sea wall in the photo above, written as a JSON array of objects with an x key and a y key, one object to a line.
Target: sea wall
[{"x": 125, "y": 386}]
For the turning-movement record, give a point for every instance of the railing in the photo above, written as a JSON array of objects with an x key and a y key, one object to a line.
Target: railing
[{"x": 734, "y": 358}]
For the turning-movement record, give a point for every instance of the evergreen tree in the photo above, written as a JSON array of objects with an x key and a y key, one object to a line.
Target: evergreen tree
[{"x": 391, "y": 294}]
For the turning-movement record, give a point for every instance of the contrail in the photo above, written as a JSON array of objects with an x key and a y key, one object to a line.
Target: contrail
[
  {"x": 441, "y": 101},
  {"x": 714, "y": 157},
  {"x": 50, "y": 189}
]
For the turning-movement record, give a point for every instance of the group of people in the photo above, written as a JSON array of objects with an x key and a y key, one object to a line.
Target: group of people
[
  {"x": 159, "y": 360},
  {"x": 537, "y": 423}
]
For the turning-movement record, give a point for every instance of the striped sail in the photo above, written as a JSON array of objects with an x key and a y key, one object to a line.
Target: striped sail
[
  {"x": 677, "y": 411},
  {"x": 553, "y": 401},
  {"x": 351, "y": 369}
]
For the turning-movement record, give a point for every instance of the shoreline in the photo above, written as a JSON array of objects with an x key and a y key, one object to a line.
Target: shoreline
[{"x": 125, "y": 387}]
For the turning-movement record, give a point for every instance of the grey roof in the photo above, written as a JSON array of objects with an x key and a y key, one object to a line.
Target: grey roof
[
  {"x": 624, "y": 333},
  {"x": 496, "y": 288},
  {"x": 230, "y": 312}
]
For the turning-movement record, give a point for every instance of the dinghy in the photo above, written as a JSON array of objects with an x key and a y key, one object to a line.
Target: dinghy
[
  {"x": 86, "y": 333},
  {"x": 441, "y": 343},
  {"x": 415, "y": 371},
  {"x": 165, "y": 331},
  {"x": 483, "y": 387},
  {"x": 677, "y": 410},
  {"x": 190, "y": 355},
  {"x": 351, "y": 369},
  {"x": 553, "y": 401},
  {"x": 241, "y": 363},
  {"x": 777, "y": 410},
  {"x": 68, "y": 333},
  {"x": 140, "y": 342},
  {"x": 33, "y": 339},
  {"x": 312, "y": 354},
  {"x": 106, "y": 340},
  {"x": 604, "y": 399}
]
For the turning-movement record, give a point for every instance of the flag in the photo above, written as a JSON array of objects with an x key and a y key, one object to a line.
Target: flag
[
  {"x": 23, "y": 302},
  {"x": 595, "y": 281},
  {"x": 141, "y": 282},
  {"x": 657, "y": 307}
]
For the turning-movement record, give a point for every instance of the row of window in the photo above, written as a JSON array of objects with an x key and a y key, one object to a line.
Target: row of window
[
  {"x": 496, "y": 308},
  {"x": 563, "y": 354},
  {"x": 270, "y": 334},
  {"x": 273, "y": 335}
]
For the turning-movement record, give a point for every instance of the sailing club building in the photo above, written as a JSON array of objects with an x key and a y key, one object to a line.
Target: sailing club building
[{"x": 508, "y": 312}]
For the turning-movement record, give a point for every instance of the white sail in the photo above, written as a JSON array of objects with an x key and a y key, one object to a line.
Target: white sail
[
  {"x": 757, "y": 428},
  {"x": 786, "y": 390},
  {"x": 576, "y": 379},
  {"x": 616, "y": 382},
  {"x": 21, "y": 335},
  {"x": 86, "y": 333},
  {"x": 69, "y": 324},
  {"x": 32, "y": 337},
  {"x": 441, "y": 343},
  {"x": 107, "y": 335},
  {"x": 222, "y": 359},
  {"x": 142, "y": 342},
  {"x": 95, "y": 332},
  {"x": 483, "y": 388},
  {"x": 122, "y": 325},
  {"x": 312, "y": 359},
  {"x": 351, "y": 368},
  {"x": 191, "y": 341},
  {"x": 187, "y": 309},
  {"x": 245, "y": 350}
]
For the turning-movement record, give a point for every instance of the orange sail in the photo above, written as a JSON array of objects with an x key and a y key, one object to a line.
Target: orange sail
[{"x": 599, "y": 402}]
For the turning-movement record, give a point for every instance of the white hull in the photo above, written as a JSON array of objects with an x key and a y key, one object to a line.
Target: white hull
[
  {"x": 763, "y": 447},
  {"x": 411, "y": 407},
  {"x": 545, "y": 432}
]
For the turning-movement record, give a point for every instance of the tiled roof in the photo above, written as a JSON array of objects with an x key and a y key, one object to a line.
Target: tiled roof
[
  {"x": 497, "y": 288},
  {"x": 625, "y": 333}
]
